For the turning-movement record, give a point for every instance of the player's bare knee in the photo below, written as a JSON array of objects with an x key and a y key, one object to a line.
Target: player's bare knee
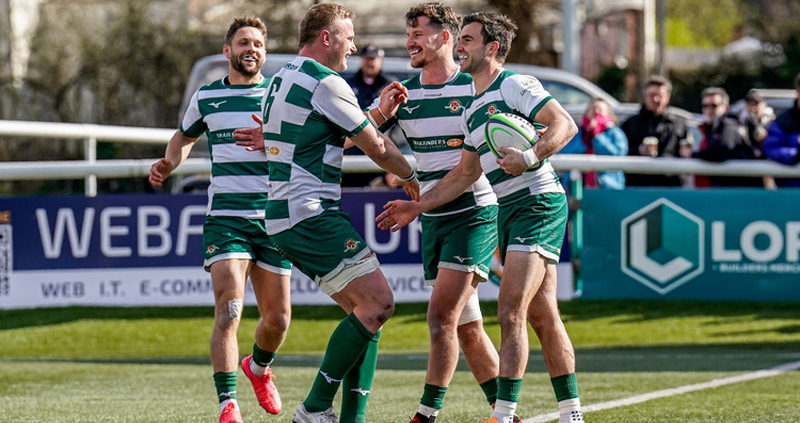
[
  {"x": 229, "y": 313},
  {"x": 510, "y": 318},
  {"x": 277, "y": 322},
  {"x": 440, "y": 321},
  {"x": 385, "y": 312}
]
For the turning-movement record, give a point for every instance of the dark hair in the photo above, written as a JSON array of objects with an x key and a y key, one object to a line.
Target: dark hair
[
  {"x": 320, "y": 16},
  {"x": 659, "y": 81},
  {"x": 726, "y": 99},
  {"x": 244, "y": 22},
  {"x": 439, "y": 14},
  {"x": 494, "y": 27}
]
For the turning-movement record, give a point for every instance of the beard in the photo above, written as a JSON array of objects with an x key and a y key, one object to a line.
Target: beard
[
  {"x": 239, "y": 66},
  {"x": 475, "y": 61}
]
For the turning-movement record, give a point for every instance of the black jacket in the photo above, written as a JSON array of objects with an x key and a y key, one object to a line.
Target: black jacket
[
  {"x": 367, "y": 93},
  {"x": 726, "y": 139},
  {"x": 668, "y": 128}
]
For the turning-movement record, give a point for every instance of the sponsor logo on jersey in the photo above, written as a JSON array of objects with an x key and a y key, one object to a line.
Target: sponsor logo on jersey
[
  {"x": 217, "y": 104},
  {"x": 492, "y": 110},
  {"x": 211, "y": 249},
  {"x": 274, "y": 151},
  {"x": 409, "y": 109},
  {"x": 454, "y": 106},
  {"x": 454, "y": 142},
  {"x": 462, "y": 259},
  {"x": 351, "y": 245},
  {"x": 523, "y": 240}
]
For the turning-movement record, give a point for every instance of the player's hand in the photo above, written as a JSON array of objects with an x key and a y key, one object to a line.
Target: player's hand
[
  {"x": 397, "y": 214},
  {"x": 160, "y": 171},
  {"x": 411, "y": 187},
  {"x": 251, "y": 138},
  {"x": 513, "y": 163},
  {"x": 392, "y": 96}
]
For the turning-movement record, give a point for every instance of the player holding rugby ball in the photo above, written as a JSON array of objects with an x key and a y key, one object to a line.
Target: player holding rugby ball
[{"x": 532, "y": 214}]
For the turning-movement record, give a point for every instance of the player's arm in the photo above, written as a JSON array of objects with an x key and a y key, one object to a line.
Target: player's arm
[
  {"x": 526, "y": 95},
  {"x": 178, "y": 149},
  {"x": 385, "y": 106},
  {"x": 385, "y": 154},
  {"x": 400, "y": 213}
]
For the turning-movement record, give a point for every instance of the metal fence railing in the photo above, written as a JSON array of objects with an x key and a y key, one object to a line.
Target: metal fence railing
[{"x": 90, "y": 169}]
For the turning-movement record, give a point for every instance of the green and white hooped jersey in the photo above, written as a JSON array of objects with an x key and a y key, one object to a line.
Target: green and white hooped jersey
[
  {"x": 509, "y": 93},
  {"x": 239, "y": 181},
  {"x": 308, "y": 111},
  {"x": 431, "y": 122}
]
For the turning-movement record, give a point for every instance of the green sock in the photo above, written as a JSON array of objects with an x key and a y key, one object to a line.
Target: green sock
[
  {"x": 357, "y": 383},
  {"x": 508, "y": 388},
  {"x": 490, "y": 390},
  {"x": 566, "y": 386},
  {"x": 433, "y": 396},
  {"x": 226, "y": 385},
  {"x": 347, "y": 343},
  {"x": 261, "y": 357}
]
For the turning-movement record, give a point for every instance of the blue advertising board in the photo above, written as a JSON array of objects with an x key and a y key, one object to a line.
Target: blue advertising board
[{"x": 148, "y": 250}]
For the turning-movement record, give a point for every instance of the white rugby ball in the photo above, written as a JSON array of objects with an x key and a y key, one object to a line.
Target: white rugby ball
[{"x": 509, "y": 130}]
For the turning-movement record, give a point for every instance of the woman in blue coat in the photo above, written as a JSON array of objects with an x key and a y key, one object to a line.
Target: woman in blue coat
[{"x": 599, "y": 134}]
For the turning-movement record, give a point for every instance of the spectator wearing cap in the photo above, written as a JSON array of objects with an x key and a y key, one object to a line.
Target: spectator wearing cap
[
  {"x": 368, "y": 82},
  {"x": 755, "y": 118},
  {"x": 783, "y": 137}
]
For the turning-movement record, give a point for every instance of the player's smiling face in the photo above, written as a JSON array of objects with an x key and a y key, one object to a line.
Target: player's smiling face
[
  {"x": 341, "y": 44},
  {"x": 424, "y": 41},
  {"x": 470, "y": 49},
  {"x": 247, "y": 51}
]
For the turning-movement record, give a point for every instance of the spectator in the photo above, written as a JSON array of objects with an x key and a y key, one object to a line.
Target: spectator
[
  {"x": 722, "y": 140},
  {"x": 655, "y": 120},
  {"x": 783, "y": 136},
  {"x": 600, "y": 135},
  {"x": 368, "y": 82},
  {"x": 755, "y": 118}
]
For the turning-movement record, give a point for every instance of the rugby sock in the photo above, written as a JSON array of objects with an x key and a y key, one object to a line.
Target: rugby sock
[
  {"x": 347, "y": 343},
  {"x": 565, "y": 386},
  {"x": 490, "y": 390},
  {"x": 569, "y": 404},
  {"x": 569, "y": 411},
  {"x": 226, "y": 387},
  {"x": 357, "y": 383},
  {"x": 508, "y": 389},
  {"x": 261, "y": 360},
  {"x": 432, "y": 400}
]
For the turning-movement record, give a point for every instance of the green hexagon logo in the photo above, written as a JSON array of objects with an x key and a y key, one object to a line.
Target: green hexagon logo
[{"x": 662, "y": 246}]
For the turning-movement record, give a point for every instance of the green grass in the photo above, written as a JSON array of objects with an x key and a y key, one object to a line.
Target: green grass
[{"x": 87, "y": 364}]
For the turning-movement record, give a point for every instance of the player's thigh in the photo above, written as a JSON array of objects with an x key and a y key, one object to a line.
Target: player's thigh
[
  {"x": 227, "y": 238},
  {"x": 523, "y": 273},
  {"x": 534, "y": 224},
  {"x": 466, "y": 241},
  {"x": 327, "y": 249},
  {"x": 452, "y": 290}
]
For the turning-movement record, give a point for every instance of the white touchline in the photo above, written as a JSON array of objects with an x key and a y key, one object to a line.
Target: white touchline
[{"x": 783, "y": 368}]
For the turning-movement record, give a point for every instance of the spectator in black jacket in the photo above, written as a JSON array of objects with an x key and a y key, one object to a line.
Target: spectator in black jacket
[
  {"x": 368, "y": 82},
  {"x": 654, "y": 120},
  {"x": 723, "y": 139}
]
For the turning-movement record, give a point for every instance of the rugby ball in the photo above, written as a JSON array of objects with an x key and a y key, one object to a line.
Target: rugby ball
[{"x": 509, "y": 130}]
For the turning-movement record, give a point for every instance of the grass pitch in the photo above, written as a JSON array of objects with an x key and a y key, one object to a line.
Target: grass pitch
[{"x": 85, "y": 364}]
